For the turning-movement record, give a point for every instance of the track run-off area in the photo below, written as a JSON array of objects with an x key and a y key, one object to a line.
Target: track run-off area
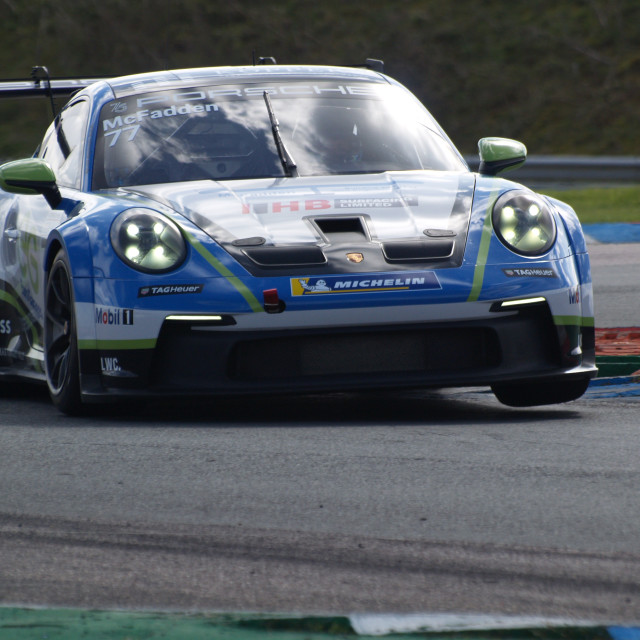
[{"x": 427, "y": 501}]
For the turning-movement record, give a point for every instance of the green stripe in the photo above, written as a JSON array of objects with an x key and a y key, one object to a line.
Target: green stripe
[
  {"x": 574, "y": 321},
  {"x": 7, "y": 297},
  {"x": 483, "y": 252},
  {"x": 142, "y": 343},
  {"x": 69, "y": 624},
  {"x": 614, "y": 366},
  {"x": 242, "y": 289}
]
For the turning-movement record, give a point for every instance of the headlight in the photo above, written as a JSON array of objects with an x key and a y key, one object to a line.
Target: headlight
[
  {"x": 524, "y": 223},
  {"x": 147, "y": 241}
]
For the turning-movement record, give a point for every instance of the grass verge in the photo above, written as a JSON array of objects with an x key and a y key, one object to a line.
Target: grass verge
[{"x": 609, "y": 204}]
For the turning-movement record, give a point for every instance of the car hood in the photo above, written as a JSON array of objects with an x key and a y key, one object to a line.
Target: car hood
[{"x": 395, "y": 220}]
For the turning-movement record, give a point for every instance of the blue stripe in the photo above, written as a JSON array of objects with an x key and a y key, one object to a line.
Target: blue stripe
[{"x": 613, "y": 232}]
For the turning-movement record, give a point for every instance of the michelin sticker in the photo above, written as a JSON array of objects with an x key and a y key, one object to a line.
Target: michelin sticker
[{"x": 413, "y": 281}]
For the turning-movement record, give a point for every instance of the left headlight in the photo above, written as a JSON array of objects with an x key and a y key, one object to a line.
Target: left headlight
[
  {"x": 147, "y": 241},
  {"x": 524, "y": 223}
]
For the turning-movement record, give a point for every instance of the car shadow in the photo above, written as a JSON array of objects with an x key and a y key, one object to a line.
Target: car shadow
[
  {"x": 451, "y": 406},
  {"x": 474, "y": 406}
]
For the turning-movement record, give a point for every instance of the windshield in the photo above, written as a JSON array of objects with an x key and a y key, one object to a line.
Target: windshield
[{"x": 224, "y": 133}]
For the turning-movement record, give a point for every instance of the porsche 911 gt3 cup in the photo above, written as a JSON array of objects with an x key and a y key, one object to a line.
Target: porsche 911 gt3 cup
[{"x": 272, "y": 228}]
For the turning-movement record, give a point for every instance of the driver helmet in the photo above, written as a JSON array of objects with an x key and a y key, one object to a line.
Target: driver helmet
[{"x": 339, "y": 135}]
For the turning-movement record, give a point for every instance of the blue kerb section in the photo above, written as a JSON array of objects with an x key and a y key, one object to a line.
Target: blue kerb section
[
  {"x": 613, "y": 232},
  {"x": 624, "y": 633},
  {"x": 622, "y": 386}
]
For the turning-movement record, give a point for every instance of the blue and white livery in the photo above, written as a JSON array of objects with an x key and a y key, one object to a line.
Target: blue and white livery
[{"x": 268, "y": 229}]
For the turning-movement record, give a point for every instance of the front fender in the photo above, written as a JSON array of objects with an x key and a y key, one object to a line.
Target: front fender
[
  {"x": 73, "y": 237},
  {"x": 571, "y": 224}
]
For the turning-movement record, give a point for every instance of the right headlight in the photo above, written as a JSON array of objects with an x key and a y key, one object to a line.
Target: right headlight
[
  {"x": 524, "y": 223},
  {"x": 148, "y": 241}
]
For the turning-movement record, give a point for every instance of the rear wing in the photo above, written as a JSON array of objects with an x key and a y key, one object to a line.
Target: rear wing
[
  {"x": 58, "y": 87},
  {"x": 41, "y": 84}
]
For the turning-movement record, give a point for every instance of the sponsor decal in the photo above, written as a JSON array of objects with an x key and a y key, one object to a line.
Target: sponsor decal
[
  {"x": 212, "y": 93},
  {"x": 320, "y": 204},
  {"x": 112, "y": 316},
  {"x": 17, "y": 318},
  {"x": 530, "y": 272},
  {"x": 28, "y": 258},
  {"x": 355, "y": 257},
  {"x": 374, "y": 203},
  {"x": 30, "y": 300},
  {"x": 10, "y": 353},
  {"x": 406, "y": 281},
  {"x": 291, "y": 206},
  {"x": 109, "y": 365},
  {"x": 169, "y": 290},
  {"x": 574, "y": 295}
]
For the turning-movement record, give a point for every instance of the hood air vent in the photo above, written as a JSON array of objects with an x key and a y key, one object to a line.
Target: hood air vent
[
  {"x": 418, "y": 250},
  {"x": 302, "y": 256},
  {"x": 342, "y": 230}
]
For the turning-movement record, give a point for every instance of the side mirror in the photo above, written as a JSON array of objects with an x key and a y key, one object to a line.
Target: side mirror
[
  {"x": 30, "y": 177},
  {"x": 500, "y": 154}
]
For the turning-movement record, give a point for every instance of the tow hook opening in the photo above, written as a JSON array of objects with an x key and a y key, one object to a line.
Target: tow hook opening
[{"x": 272, "y": 302}]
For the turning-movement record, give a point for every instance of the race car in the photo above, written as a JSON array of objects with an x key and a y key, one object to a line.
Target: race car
[{"x": 280, "y": 229}]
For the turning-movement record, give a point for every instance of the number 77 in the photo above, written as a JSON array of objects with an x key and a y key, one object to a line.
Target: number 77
[{"x": 116, "y": 133}]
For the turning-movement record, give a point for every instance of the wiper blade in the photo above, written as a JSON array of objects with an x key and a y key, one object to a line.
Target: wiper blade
[{"x": 288, "y": 163}]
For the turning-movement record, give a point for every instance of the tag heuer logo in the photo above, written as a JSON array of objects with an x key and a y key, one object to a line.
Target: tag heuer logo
[{"x": 355, "y": 257}]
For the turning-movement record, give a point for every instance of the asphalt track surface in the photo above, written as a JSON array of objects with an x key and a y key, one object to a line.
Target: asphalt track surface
[
  {"x": 441, "y": 501},
  {"x": 616, "y": 273}
]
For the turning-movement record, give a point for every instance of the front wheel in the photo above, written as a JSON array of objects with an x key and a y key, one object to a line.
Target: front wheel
[
  {"x": 531, "y": 394},
  {"x": 60, "y": 338}
]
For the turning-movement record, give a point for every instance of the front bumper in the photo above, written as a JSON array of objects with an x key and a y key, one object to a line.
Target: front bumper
[{"x": 190, "y": 358}]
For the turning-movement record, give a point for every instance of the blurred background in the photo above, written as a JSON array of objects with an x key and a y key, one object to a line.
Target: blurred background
[{"x": 562, "y": 76}]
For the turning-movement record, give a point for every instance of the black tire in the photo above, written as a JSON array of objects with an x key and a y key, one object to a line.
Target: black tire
[
  {"x": 532, "y": 394},
  {"x": 60, "y": 338}
]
